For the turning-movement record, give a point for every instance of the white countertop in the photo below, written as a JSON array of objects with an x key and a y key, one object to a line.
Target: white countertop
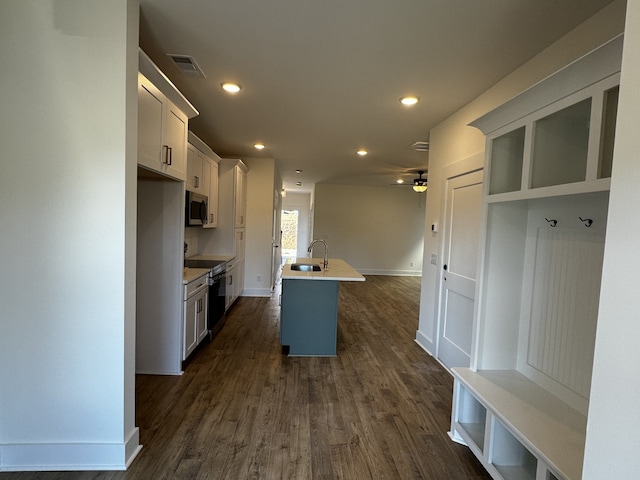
[
  {"x": 190, "y": 274},
  {"x": 337, "y": 269},
  {"x": 224, "y": 258}
]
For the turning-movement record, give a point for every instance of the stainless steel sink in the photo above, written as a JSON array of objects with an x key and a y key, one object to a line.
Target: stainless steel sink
[{"x": 306, "y": 267}]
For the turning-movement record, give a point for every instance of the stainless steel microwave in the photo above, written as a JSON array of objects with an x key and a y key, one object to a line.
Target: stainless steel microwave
[{"x": 195, "y": 209}]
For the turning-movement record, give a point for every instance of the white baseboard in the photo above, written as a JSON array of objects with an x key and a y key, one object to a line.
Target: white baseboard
[
  {"x": 390, "y": 273},
  {"x": 256, "y": 292},
  {"x": 43, "y": 457},
  {"x": 426, "y": 344}
]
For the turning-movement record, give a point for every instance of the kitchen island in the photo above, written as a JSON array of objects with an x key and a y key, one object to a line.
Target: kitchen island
[{"x": 309, "y": 313}]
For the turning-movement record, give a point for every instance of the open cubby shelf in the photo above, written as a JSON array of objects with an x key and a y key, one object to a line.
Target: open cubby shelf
[{"x": 527, "y": 427}]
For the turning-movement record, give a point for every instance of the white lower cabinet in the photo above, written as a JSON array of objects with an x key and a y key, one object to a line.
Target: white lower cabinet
[
  {"x": 230, "y": 286},
  {"x": 194, "y": 318}
]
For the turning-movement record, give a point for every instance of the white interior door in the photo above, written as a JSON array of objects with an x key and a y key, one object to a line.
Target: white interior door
[
  {"x": 276, "y": 241},
  {"x": 458, "y": 275}
]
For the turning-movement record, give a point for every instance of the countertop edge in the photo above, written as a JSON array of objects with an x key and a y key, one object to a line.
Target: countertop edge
[{"x": 337, "y": 270}]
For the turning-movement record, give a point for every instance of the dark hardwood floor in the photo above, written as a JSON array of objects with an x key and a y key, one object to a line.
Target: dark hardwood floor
[{"x": 242, "y": 410}]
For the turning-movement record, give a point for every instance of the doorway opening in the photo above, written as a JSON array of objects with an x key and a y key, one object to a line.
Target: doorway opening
[{"x": 289, "y": 227}]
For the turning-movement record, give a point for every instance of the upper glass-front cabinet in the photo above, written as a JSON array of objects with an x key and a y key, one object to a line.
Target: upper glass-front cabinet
[{"x": 564, "y": 148}]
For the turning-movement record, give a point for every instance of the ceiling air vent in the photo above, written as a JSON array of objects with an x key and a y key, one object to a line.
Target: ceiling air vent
[
  {"x": 419, "y": 146},
  {"x": 187, "y": 65}
]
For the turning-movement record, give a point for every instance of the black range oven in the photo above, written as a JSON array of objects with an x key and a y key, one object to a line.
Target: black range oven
[{"x": 217, "y": 287}]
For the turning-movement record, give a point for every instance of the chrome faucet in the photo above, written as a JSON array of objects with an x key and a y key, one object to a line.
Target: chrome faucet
[{"x": 326, "y": 251}]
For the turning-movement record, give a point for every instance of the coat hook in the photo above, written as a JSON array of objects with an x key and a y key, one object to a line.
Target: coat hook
[
  {"x": 587, "y": 221},
  {"x": 552, "y": 222}
]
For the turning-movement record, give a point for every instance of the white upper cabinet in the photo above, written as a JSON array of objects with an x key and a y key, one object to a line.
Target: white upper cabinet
[
  {"x": 557, "y": 137},
  {"x": 163, "y": 115},
  {"x": 211, "y": 172},
  {"x": 240, "y": 197},
  {"x": 202, "y": 176},
  {"x": 162, "y": 132},
  {"x": 196, "y": 180},
  {"x": 564, "y": 148}
]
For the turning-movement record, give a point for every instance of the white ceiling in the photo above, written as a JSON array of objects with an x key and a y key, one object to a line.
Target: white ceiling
[{"x": 323, "y": 78}]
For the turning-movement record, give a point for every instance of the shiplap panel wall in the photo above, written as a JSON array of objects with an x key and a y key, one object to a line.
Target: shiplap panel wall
[{"x": 564, "y": 305}]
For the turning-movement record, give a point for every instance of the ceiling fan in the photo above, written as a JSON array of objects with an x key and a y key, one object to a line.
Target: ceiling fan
[{"x": 419, "y": 184}]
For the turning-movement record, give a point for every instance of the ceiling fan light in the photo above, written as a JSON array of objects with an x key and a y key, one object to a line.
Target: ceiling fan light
[{"x": 420, "y": 184}]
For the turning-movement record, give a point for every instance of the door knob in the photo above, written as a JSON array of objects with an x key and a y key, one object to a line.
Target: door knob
[{"x": 445, "y": 266}]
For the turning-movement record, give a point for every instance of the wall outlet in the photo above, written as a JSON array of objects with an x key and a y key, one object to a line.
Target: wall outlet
[
  {"x": 259, "y": 278},
  {"x": 411, "y": 264},
  {"x": 434, "y": 259}
]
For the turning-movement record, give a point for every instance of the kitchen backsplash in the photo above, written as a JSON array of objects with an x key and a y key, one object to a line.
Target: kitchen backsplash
[{"x": 191, "y": 239}]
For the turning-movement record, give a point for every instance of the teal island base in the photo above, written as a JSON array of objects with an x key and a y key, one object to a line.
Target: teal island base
[{"x": 309, "y": 317}]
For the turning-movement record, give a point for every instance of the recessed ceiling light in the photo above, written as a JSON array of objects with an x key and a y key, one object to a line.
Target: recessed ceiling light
[
  {"x": 259, "y": 146},
  {"x": 298, "y": 171},
  {"x": 409, "y": 100},
  {"x": 399, "y": 181},
  {"x": 362, "y": 152},
  {"x": 299, "y": 184},
  {"x": 231, "y": 87}
]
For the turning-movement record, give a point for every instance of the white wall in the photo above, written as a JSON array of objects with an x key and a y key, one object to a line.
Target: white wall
[
  {"x": 612, "y": 441},
  {"x": 377, "y": 230},
  {"x": 453, "y": 141},
  {"x": 302, "y": 203},
  {"x": 67, "y": 249},
  {"x": 261, "y": 185}
]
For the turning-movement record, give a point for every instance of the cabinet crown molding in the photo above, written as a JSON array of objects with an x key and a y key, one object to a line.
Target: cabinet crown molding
[
  {"x": 591, "y": 68},
  {"x": 166, "y": 86}
]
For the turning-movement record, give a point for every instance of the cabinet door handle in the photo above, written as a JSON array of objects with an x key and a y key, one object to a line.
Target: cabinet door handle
[
  {"x": 166, "y": 154},
  {"x": 196, "y": 181}
]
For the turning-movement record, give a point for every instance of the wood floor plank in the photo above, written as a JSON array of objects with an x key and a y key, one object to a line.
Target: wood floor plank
[{"x": 243, "y": 410}]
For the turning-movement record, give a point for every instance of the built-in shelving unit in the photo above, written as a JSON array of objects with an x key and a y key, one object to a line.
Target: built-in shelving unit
[{"x": 522, "y": 405}]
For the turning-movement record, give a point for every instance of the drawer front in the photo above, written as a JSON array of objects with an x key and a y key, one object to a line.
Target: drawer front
[{"x": 195, "y": 286}]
